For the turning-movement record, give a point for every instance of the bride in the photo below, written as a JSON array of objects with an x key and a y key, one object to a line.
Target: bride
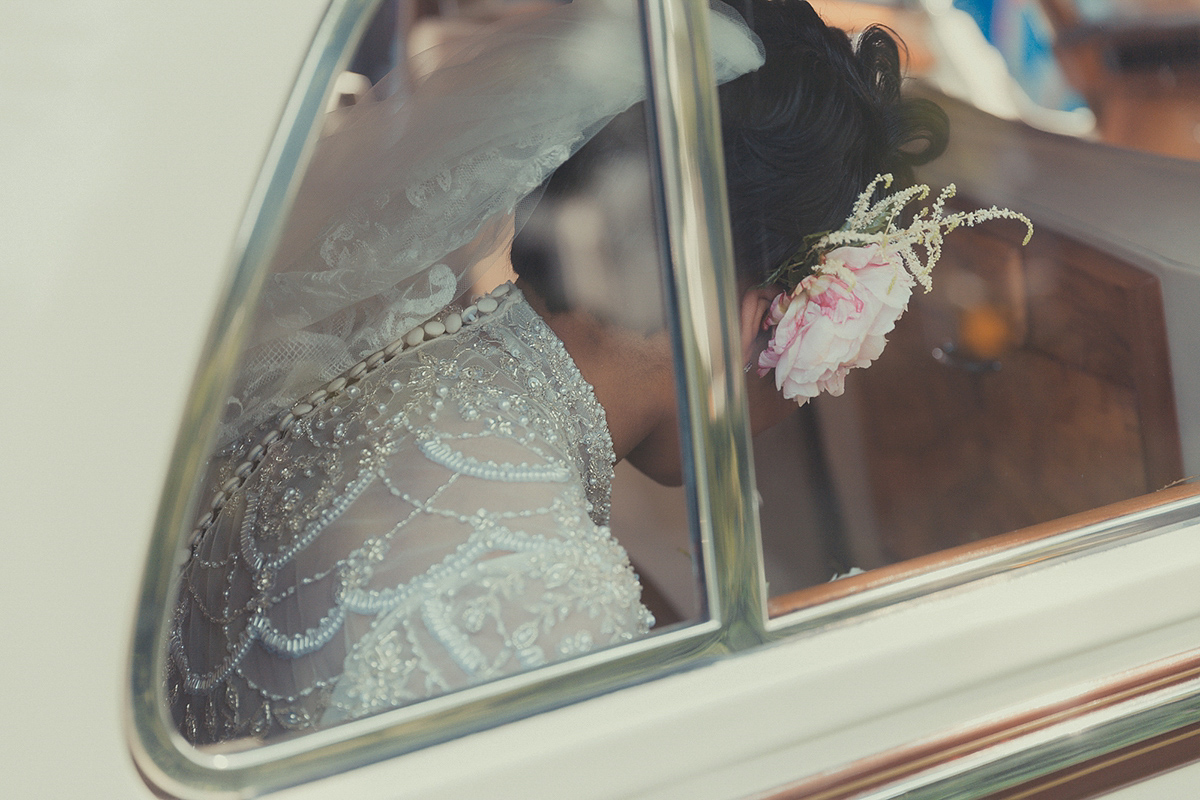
[{"x": 410, "y": 493}]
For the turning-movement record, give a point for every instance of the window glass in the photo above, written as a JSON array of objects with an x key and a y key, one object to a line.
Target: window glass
[
  {"x": 1034, "y": 381},
  {"x": 1134, "y": 63},
  {"x": 461, "y": 330}
]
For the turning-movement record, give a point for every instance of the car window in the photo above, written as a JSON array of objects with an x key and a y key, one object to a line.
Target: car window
[
  {"x": 400, "y": 525},
  {"x": 1034, "y": 381},
  {"x": 461, "y": 330}
]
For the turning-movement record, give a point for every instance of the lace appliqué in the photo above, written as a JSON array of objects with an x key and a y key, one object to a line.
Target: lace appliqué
[{"x": 441, "y": 524}]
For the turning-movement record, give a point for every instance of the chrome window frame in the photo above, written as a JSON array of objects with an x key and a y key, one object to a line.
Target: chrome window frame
[{"x": 702, "y": 296}]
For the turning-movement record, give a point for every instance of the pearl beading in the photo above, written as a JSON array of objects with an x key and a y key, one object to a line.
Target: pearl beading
[
  {"x": 514, "y": 404},
  {"x": 444, "y": 454},
  {"x": 451, "y": 323}
]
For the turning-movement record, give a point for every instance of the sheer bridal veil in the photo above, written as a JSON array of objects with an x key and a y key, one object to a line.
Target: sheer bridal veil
[{"x": 406, "y": 194}]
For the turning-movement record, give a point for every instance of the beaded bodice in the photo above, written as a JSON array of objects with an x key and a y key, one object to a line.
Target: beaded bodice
[{"x": 432, "y": 519}]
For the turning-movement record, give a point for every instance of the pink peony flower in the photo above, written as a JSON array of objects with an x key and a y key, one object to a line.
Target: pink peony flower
[{"x": 836, "y": 319}]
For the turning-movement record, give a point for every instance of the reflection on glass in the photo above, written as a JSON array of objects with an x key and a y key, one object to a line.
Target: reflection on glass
[
  {"x": 1137, "y": 63},
  {"x": 1033, "y": 382},
  {"x": 461, "y": 331}
]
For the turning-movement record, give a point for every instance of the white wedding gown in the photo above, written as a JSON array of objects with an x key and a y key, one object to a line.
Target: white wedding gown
[{"x": 438, "y": 523}]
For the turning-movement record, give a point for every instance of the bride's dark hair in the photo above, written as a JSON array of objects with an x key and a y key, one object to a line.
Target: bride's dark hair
[
  {"x": 805, "y": 133},
  {"x": 803, "y": 136}
]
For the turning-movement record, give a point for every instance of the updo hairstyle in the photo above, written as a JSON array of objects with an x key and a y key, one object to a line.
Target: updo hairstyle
[
  {"x": 803, "y": 136},
  {"x": 805, "y": 133}
]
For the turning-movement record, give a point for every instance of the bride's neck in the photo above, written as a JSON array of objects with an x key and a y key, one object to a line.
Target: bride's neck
[{"x": 631, "y": 374}]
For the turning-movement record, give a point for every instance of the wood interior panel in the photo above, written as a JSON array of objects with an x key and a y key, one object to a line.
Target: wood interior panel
[
  {"x": 974, "y": 455},
  {"x": 1031, "y": 384}
]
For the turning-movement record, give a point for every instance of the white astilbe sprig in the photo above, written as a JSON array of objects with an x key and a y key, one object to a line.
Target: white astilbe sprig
[{"x": 876, "y": 224}]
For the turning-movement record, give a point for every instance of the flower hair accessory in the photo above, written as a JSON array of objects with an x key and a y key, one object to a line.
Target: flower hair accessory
[{"x": 847, "y": 288}]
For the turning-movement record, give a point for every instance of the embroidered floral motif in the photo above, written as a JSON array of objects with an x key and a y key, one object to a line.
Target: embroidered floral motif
[{"x": 440, "y": 524}]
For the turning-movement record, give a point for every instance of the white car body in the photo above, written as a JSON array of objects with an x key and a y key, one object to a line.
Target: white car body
[{"x": 132, "y": 135}]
